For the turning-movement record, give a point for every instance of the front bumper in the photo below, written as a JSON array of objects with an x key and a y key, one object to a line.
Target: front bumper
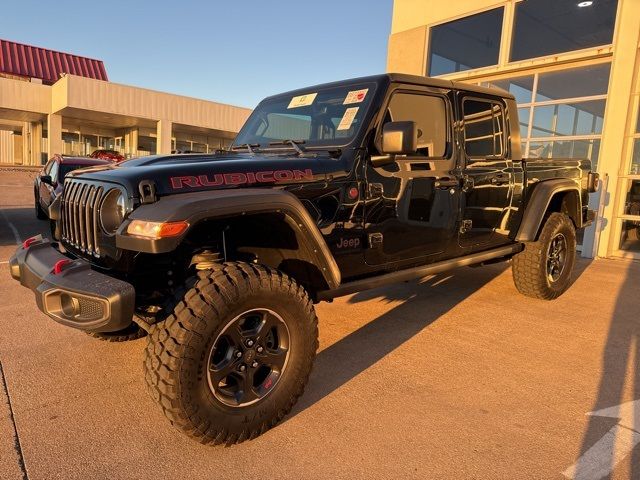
[{"x": 77, "y": 296}]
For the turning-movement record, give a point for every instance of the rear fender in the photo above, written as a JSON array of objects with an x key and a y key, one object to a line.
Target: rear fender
[{"x": 561, "y": 195}]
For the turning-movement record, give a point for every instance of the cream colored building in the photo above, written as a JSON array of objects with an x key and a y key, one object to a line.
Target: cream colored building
[
  {"x": 46, "y": 110},
  {"x": 573, "y": 66}
]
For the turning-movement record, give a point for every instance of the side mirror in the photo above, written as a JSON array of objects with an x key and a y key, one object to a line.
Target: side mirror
[
  {"x": 47, "y": 179},
  {"x": 399, "y": 138}
]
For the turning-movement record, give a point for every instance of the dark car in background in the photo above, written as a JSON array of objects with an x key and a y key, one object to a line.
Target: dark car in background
[
  {"x": 107, "y": 155},
  {"x": 49, "y": 182}
]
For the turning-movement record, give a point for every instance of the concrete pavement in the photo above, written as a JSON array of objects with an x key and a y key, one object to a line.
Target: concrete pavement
[{"x": 455, "y": 376}]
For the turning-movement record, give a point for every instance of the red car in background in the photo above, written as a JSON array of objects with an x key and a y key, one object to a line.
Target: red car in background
[
  {"x": 107, "y": 155},
  {"x": 49, "y": 182}
]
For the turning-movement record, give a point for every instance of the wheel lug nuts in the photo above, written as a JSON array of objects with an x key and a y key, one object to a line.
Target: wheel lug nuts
[
  {"x": 260, "y": 349},
  {"x": 254, "y": 364},
  {"x": 242, "y": 368},
  {"x": 250, "y": 343},
  {"x": 238, "y": 354}
]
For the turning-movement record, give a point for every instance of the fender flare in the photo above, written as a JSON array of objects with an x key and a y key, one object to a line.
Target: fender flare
[
  {"x": 538, "y": 203},
  {"x": 218, "y": 204}
]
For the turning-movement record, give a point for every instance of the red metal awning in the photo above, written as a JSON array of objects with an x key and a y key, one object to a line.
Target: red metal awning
[{"x": 36, "y": 62}]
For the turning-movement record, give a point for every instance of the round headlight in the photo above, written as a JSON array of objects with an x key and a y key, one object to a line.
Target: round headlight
[{"x": 112, "y": 211}]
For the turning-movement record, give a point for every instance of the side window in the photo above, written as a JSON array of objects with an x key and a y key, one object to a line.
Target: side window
[
  {"x": 47, "y": 167},
  {"x": 483, "y": 128},
  {"x": 54, "y": 172},
  {"x": 430, "y": 114}
]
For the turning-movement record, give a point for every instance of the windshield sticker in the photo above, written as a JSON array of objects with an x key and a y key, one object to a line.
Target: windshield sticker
[
  {"x": 355, "y": 96},
  {"x": 347, "y": 118},
  {"x": 302, "y": 100}
]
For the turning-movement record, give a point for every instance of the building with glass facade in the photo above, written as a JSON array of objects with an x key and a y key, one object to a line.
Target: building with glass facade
[
  {"x": 573, "y": 67},
  {"x": 53, "y": 102}
]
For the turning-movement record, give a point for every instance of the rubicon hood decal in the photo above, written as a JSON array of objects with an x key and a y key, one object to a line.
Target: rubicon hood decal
[{"x": 240, "y": 178}]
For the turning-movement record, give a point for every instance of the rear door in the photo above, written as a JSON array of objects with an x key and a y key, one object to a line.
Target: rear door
[{"x": 487, "y": 172}]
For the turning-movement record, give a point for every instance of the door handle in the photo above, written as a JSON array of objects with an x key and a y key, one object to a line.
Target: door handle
[
  {"x": 446, "y": 183},
  {"x": 500, "y": 179}
]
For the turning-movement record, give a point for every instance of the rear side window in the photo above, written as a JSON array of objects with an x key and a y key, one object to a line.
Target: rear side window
[
  {"x": 483, "y": 128},
  {"x": 430, "y": 114}
]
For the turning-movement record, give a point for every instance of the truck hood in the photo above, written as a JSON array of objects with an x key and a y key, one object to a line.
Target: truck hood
[{"x": 189, "y": 173}]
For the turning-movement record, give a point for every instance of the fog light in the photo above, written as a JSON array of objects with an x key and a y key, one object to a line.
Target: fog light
[{"x": 70, "y": 305}]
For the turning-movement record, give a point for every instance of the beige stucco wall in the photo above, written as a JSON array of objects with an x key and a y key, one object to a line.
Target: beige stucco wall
[
  {"x": 408, "y": 14},
  {"x": 95, "y": 95},
  {"x": 24, "y": 96}
]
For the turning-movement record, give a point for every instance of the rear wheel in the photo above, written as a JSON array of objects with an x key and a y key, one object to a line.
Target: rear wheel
[
  {"x": 543, "y": 269},
  {"x": 235, "y": 354}
]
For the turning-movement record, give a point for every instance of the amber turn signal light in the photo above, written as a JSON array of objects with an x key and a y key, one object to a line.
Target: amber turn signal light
[{"x": 155, "y": 230}]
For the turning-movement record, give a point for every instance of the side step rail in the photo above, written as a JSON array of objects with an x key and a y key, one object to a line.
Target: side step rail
[{"x": 419, "y": 272}]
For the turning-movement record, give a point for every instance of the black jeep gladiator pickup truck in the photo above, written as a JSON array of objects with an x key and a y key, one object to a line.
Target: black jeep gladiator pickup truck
[{"x": 326, "y": 191}]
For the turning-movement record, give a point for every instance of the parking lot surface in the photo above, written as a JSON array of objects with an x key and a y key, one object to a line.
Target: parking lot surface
[{"x": 454, "y": 376}]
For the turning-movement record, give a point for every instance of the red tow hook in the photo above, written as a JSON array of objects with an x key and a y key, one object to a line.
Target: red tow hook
[
  {"x": 29, "y": 241},
  {"x": 59, "y": 265}
]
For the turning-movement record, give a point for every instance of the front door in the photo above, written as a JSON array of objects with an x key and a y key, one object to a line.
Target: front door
[
  {"x": 412, "y": 207},
  {"x": 487, "y": 174}
]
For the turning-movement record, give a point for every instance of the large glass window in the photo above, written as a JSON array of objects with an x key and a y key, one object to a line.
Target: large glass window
[
  {"x": 579, "y": 82},
  {"x": 521, "y": 87},
  {"x": 548, "y": 27},
  {"x": 470, "y": 42},
  {"x": 568, "y": 111}
]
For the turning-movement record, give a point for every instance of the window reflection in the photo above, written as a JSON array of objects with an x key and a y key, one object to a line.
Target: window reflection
[
  {"x": 561, "y": 26},
  {"x": 635, "y": 159},
  {"x": 566, "y": 149},
  {"x": 483, "y": 129},
  {"x": 584, "y": 118},
  {"x": 470, "y": 42},
  {"x": 630, "y": 236},
  {"x": 574, "y": 83},
  {"x": 521, "y": 88}
]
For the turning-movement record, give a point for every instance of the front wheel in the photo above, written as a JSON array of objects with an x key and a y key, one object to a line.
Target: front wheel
[
  {"x": 543, "y": 269},
  {"x": 235, "y": 354}
]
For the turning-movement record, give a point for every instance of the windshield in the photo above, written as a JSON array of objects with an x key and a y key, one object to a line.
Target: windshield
[{"x": 327, "y": 117}]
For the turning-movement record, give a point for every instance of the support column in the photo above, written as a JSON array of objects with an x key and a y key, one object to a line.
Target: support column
[
  {"x": 163, "y": 140},
  {"x": 36, "y": 143},
  {"x": 26, "y": 144},
  {"x": 616, "y": 127},
  {"x": 54, "y": 134}
]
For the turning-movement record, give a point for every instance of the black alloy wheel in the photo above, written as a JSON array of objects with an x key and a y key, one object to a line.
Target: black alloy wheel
[
  {"x": 248, "y": 357},
  {"x": 556, "y": 257}
]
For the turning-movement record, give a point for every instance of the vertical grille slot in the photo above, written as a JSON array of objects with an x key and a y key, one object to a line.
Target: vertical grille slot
[{"x": 80, "y": 216}]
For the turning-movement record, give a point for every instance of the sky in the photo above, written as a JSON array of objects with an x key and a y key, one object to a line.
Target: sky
[{"x": 236, "y": 52}]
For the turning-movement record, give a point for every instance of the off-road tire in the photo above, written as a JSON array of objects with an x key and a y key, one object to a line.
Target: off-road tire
[
  {"x": 132, "y": 332},
  {"x": 177, "y": 353},
  {"x": 530, "y": 273},
  {"x": 40, "y": 213}
]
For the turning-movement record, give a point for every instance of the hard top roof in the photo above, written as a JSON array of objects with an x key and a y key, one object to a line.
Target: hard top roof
[{"x": 405, "y": 78}]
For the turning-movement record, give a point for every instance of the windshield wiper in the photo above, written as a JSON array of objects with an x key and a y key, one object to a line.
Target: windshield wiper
[
  {"x": 294, "y": 143},
  {"x": 248, "y": 146}
]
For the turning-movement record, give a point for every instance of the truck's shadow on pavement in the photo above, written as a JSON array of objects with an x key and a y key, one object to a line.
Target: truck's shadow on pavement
[
  {"x": 621, "y": 355},
  {"x": 422, "y": 304}
]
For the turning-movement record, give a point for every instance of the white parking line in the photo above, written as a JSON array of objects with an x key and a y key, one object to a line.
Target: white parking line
[{"x": 12, "y": 227}]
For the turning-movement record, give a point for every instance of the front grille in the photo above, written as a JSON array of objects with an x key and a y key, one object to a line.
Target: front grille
[{"x": 80, "y": 210}]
